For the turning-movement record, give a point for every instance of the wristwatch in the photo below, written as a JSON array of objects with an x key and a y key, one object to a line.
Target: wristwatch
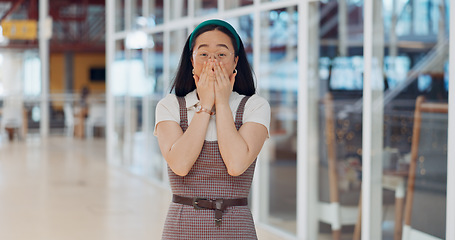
[{"x": 200, "y": 109}]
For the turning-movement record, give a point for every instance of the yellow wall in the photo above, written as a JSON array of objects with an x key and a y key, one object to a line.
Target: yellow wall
[
  {"x": 82, "y": 62},
  {"x": 57, "y": 73}
]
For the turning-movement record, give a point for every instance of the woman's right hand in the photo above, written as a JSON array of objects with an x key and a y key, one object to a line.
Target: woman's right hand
[{"x": 205, "y": 84}]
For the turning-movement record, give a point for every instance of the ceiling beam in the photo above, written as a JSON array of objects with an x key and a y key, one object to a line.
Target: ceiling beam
[
  {"x": 92, "y": 2},
  {"x": 15, "y": 5},
  {"x": 33, "y": 10},
  {"x": 63, "y": 47}
]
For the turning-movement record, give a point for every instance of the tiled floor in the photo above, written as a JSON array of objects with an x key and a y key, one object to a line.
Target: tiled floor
[{"x": 62, "y": 189}]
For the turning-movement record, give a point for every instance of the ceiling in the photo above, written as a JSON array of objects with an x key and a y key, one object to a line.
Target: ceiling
[{"x": 77, "y": 25}]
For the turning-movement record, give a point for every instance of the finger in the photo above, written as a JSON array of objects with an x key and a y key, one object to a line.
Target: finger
[
  {"x": 217, "y": 85},
  {"x": 203, "y": 76},
  {"x": 223, "y": 76},
  {"x": 226, "y": 75},
  {"x": 217, "y": 74}
]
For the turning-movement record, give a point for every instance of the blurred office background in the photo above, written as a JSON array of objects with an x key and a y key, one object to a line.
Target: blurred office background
[{"x": 359, "y": 91}]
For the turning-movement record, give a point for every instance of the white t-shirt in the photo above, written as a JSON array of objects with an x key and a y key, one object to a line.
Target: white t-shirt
[{"x": 257, "y": 110}]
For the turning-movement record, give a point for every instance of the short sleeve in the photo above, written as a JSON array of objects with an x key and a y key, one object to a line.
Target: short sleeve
[
  {"x": 257, "y": 110},
  {"x": 167, "y": 109}
]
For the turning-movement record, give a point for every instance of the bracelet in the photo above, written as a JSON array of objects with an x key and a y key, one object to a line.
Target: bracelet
[{"x": 200, "y": 109}]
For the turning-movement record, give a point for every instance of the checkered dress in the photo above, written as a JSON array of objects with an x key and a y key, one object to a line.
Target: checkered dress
[{"x": 208, "y": 178}]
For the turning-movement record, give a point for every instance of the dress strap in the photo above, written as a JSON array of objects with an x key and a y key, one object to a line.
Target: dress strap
[
  {"x": 183, "y": 113},
  {"x": 239, "y": 114}
]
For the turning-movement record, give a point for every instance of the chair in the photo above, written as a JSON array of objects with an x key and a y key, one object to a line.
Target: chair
[
  {"x": 96, "y": 118},
  {"x": 408, "y": 232},
  {"x": 336, "y": 214},
  {"x": 12, "y": 118},
  {"x": 70, "y": 120}
]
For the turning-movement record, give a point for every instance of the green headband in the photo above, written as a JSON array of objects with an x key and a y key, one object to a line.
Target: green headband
[{"x": 218, "y": 23}]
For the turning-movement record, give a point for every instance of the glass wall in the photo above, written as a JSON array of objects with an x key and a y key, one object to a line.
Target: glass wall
[
  {"x": 118, "y": 91},
  {"x": 179, "y": 9},
  {"x": 138, "y": 85},
  {"x": 155, "y": 14},
  {"x": 339, "y": 92},
  {"x": 278, "y": 82},
  {"x": 359, "y": 93},
  {"x": 414, "y": 62},
  {"x": 339, "y": 56},
  {"x": 237, "y": 3},
  {"x": 137, "y": 20},
  {"x": 155, "y": 76},
  {"x": 202, "y": 7},
  {"x": 20, "y": 88},
  {"x": 119, "y": 15},
  {"x": 177, "y": 38},
  {"x": 244, "y": 27}
]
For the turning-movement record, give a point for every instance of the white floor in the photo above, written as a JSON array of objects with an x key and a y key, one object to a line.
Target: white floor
[{"x": 62, "y": 189}]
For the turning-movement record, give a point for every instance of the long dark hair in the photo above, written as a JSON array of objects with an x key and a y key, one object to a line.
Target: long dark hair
[{"x": 183, "y": 82}]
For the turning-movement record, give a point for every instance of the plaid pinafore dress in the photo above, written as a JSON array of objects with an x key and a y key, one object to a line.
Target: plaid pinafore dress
[{"x": 208, "y": 178}]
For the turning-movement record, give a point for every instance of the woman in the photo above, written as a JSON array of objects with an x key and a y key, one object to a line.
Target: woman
[{"x": 210, "y": 133}]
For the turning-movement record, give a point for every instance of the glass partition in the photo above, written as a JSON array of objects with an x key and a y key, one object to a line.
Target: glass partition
[
  {"x": 137, "y": 20},
  {"x": 177, "y": 38},
  {"x": 338, "y": 66},
  {"x": 237, "y": 3},
  {"x": 155, "y": 13},
  {"x": 155, "y": 74},
  {"x": 119, "y": 15},
  {"x": 278, "y": 82},
  {"x": 179, "y": 9},
  {"x": 413, "y": 57},
  {"x": 271, "y": 0},
  {"x": 32, "y": 90},
  {"x": 138, "y": 86},
  {"x": 244, "y": 27},
  {"x": 13, "y": 108},
  {"x": 119, "y": 87},
  {"x": 32, "y": 77},
  {"x": 155, "y": 63},
  {"x": 202, "y": 7}
]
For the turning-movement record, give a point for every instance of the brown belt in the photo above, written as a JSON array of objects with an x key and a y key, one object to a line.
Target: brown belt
[{"x": 219, "y": 205}]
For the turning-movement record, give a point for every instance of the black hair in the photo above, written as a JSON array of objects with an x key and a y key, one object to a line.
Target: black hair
[{"x": 183, "y": 82}]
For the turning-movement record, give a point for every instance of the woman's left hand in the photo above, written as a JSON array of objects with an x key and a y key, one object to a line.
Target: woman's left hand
[{"x": 223, "y": 84}]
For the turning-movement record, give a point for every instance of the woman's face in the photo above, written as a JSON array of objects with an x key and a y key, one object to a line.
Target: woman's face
[{"x": 213, "y": 45}]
